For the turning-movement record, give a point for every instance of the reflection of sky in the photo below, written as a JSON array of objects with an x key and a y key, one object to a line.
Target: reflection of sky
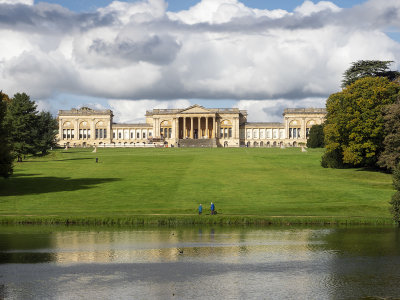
[
  {"x": 170, "y": 246},
  {"x": 205, "y": 263}
]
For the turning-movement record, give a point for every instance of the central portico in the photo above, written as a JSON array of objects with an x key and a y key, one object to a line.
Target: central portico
[{"x": 177, "y": 126}]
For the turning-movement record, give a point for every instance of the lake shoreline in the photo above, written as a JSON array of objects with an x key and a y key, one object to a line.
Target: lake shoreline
[{"x": 162, "y": 220}]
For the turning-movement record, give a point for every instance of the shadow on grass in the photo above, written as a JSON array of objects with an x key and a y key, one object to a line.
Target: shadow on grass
[{"x": 21, "y": 185}]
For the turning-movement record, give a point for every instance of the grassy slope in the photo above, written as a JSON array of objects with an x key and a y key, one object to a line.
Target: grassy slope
[{"x": 253, "y": 181}]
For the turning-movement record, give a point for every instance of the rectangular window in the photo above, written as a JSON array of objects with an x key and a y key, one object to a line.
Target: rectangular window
[
  {"x": 169, "y": 132},
  {"x": 97, "y": 134},
  {"x": 150, "y": 133},
  {"x": 68, "y": 133},
  {"x": 119, "y": 135},
  {"x": 80, "y": 133},
  {"x": 138, "y": 135},
  {"x": 225, "y": 132},
  {"x": 268, "y": 133},
  {"x": 298, "y": 132},
  {"x": 113, "y": 135},
  {"x": 294, "y": 132},
  {"x": 132, "y": 135},
  {"x": 101, "y": 135},
  {"x": 72, "y": 134},
  {"x": 262, "y": 134},
  {"x": 64, "y": 134},
  {"x": 88, "y": 134},
  {"x": 144, "y": 134},
  {"x": 222, "y": 133},
  {"x": 249, "y": 133},
  {"x": 84, "y": 133},
  {"x": 105, "y": 133},
  {"x": 307, "y": 132},
  {"x": 281, "y": 133},
  {"x": 290, "y": 133}
]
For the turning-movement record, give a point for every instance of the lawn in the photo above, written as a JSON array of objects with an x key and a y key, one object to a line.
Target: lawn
[{"x": 267, "y": 182}]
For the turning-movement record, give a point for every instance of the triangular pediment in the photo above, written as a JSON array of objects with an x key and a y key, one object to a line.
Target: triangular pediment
[{"x": 194, "y": 109}]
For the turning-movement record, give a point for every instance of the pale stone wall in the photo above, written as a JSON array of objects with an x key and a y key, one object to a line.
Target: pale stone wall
[{"x": 228, "y": 127}]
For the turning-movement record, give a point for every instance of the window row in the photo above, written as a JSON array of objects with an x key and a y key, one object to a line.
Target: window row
[
  {"x": 131, "y": 135},
  {"x": 225, "y": 133},
  {"x": 101, "y": 134},
  {"x": 264, "y": 134},
  {"x": 294, "y": 133},
  {"x": 166, "y": 132}
]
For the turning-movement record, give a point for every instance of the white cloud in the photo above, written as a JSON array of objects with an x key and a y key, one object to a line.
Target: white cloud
[
  {"x": 26, "y": 2},
  {"x": 308, "y": 7},
  {"x": 128, "y": 111},
  {"x": 272, "y": 110},
  {"x": 217, "y": 49}
]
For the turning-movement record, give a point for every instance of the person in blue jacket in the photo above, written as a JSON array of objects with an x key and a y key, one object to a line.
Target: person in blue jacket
[
  {"x": 212, "y": 208},
  {"x": 200, "y": 209}
]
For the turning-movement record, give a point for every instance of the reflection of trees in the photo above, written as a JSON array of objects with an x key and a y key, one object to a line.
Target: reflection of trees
[
  {"x": 365, "y": 262},
  {"x": 24, "y": 248},
  {"x": 362, "y": 241}
]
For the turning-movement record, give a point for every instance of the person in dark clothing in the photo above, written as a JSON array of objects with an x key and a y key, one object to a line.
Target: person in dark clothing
[{"x": 212, "y": 208}]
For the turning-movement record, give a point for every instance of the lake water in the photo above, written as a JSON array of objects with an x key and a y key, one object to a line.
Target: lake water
[{"x": 199, "y": 262}]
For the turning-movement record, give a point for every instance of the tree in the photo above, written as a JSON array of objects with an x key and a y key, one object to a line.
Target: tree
[
  {"x": 390, "y": 157},
  {"x": 368, "y": 68},
  {"x": 45, "y": 132},
  {"x": 395, "y": 202},
  {"x": 21, "y": 118},
  {"x": 316, "y": 137},
  {"x": 6, "y": 159},
  {"x": 354, "y": 126}
]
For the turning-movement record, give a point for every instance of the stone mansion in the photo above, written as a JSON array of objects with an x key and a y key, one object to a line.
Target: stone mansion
[{"x": 194, "y": 126}]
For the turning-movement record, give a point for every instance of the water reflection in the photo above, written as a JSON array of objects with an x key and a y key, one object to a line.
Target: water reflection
[{"x": 48, "y": 262}]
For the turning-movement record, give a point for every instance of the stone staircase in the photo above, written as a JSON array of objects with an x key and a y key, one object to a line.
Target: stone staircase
[{"x": 197, "y": 143}]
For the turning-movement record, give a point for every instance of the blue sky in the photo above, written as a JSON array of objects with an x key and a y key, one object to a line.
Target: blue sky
[
  {"x": 177, "y": 5},
  {"x": 131, "y": 56}
]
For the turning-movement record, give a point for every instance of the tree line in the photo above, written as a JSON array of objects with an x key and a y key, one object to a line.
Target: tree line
[
  {"x": 362, "y": 126},
  {"x": 23, "y": 130}
]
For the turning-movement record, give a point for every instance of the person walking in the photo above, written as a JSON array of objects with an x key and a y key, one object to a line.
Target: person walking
[
  {"x": 200, "y": 209},
  {"x": 212, "y": 208}
]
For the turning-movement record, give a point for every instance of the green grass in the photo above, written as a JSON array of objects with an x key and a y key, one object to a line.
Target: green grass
[{"x": 140, "y": 186}]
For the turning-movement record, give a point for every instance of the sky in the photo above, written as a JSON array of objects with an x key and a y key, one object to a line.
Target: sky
[{"x": 132, "y": 56}]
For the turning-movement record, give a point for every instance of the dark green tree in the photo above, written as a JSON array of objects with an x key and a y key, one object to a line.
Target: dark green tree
[
  {"x": 395, "y": 202},
  {"x": 390, "y": 157},
  {"x": 354, "y": 126},
  {"x": 6, "y": 159},
  {"x": 316, "y": 137},
  {"x": 45, "y": 132},
  {"x": 22, "y": 118},
  {"x": 368, "y": 68}
]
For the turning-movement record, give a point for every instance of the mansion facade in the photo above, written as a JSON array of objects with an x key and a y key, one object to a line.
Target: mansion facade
[{"x": 194, "y": 126}]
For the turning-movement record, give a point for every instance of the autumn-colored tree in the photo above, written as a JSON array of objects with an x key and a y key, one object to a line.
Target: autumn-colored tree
[
  {"x": 354, "y": 127},
  {"x": 390, "y": 157}
]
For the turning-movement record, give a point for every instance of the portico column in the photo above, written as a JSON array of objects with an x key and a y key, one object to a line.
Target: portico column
[
  {"x": 207, "y": 133},
  {"x": 184, "y": 127},
  {"x": 198, "y": 128},
  {"x": 191, "y": 127},
  {"x": 214, "y": 128}
]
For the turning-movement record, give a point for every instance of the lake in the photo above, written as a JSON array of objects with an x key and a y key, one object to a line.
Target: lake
[{"x": 47, "y": 262}]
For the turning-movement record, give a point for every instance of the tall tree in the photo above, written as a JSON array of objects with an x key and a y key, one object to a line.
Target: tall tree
[
  {"x": 45, "y": 132},
  {"x": 390, "y": 157},
  {"x": 6, "y": 159},
  {"x": 354, "y": 126},
  {"x": 395, "y": 202},
  {"x": 316, "y": 137},
  {"x": 21, "y": 118},
  {"x": 368, "y": 68}
]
